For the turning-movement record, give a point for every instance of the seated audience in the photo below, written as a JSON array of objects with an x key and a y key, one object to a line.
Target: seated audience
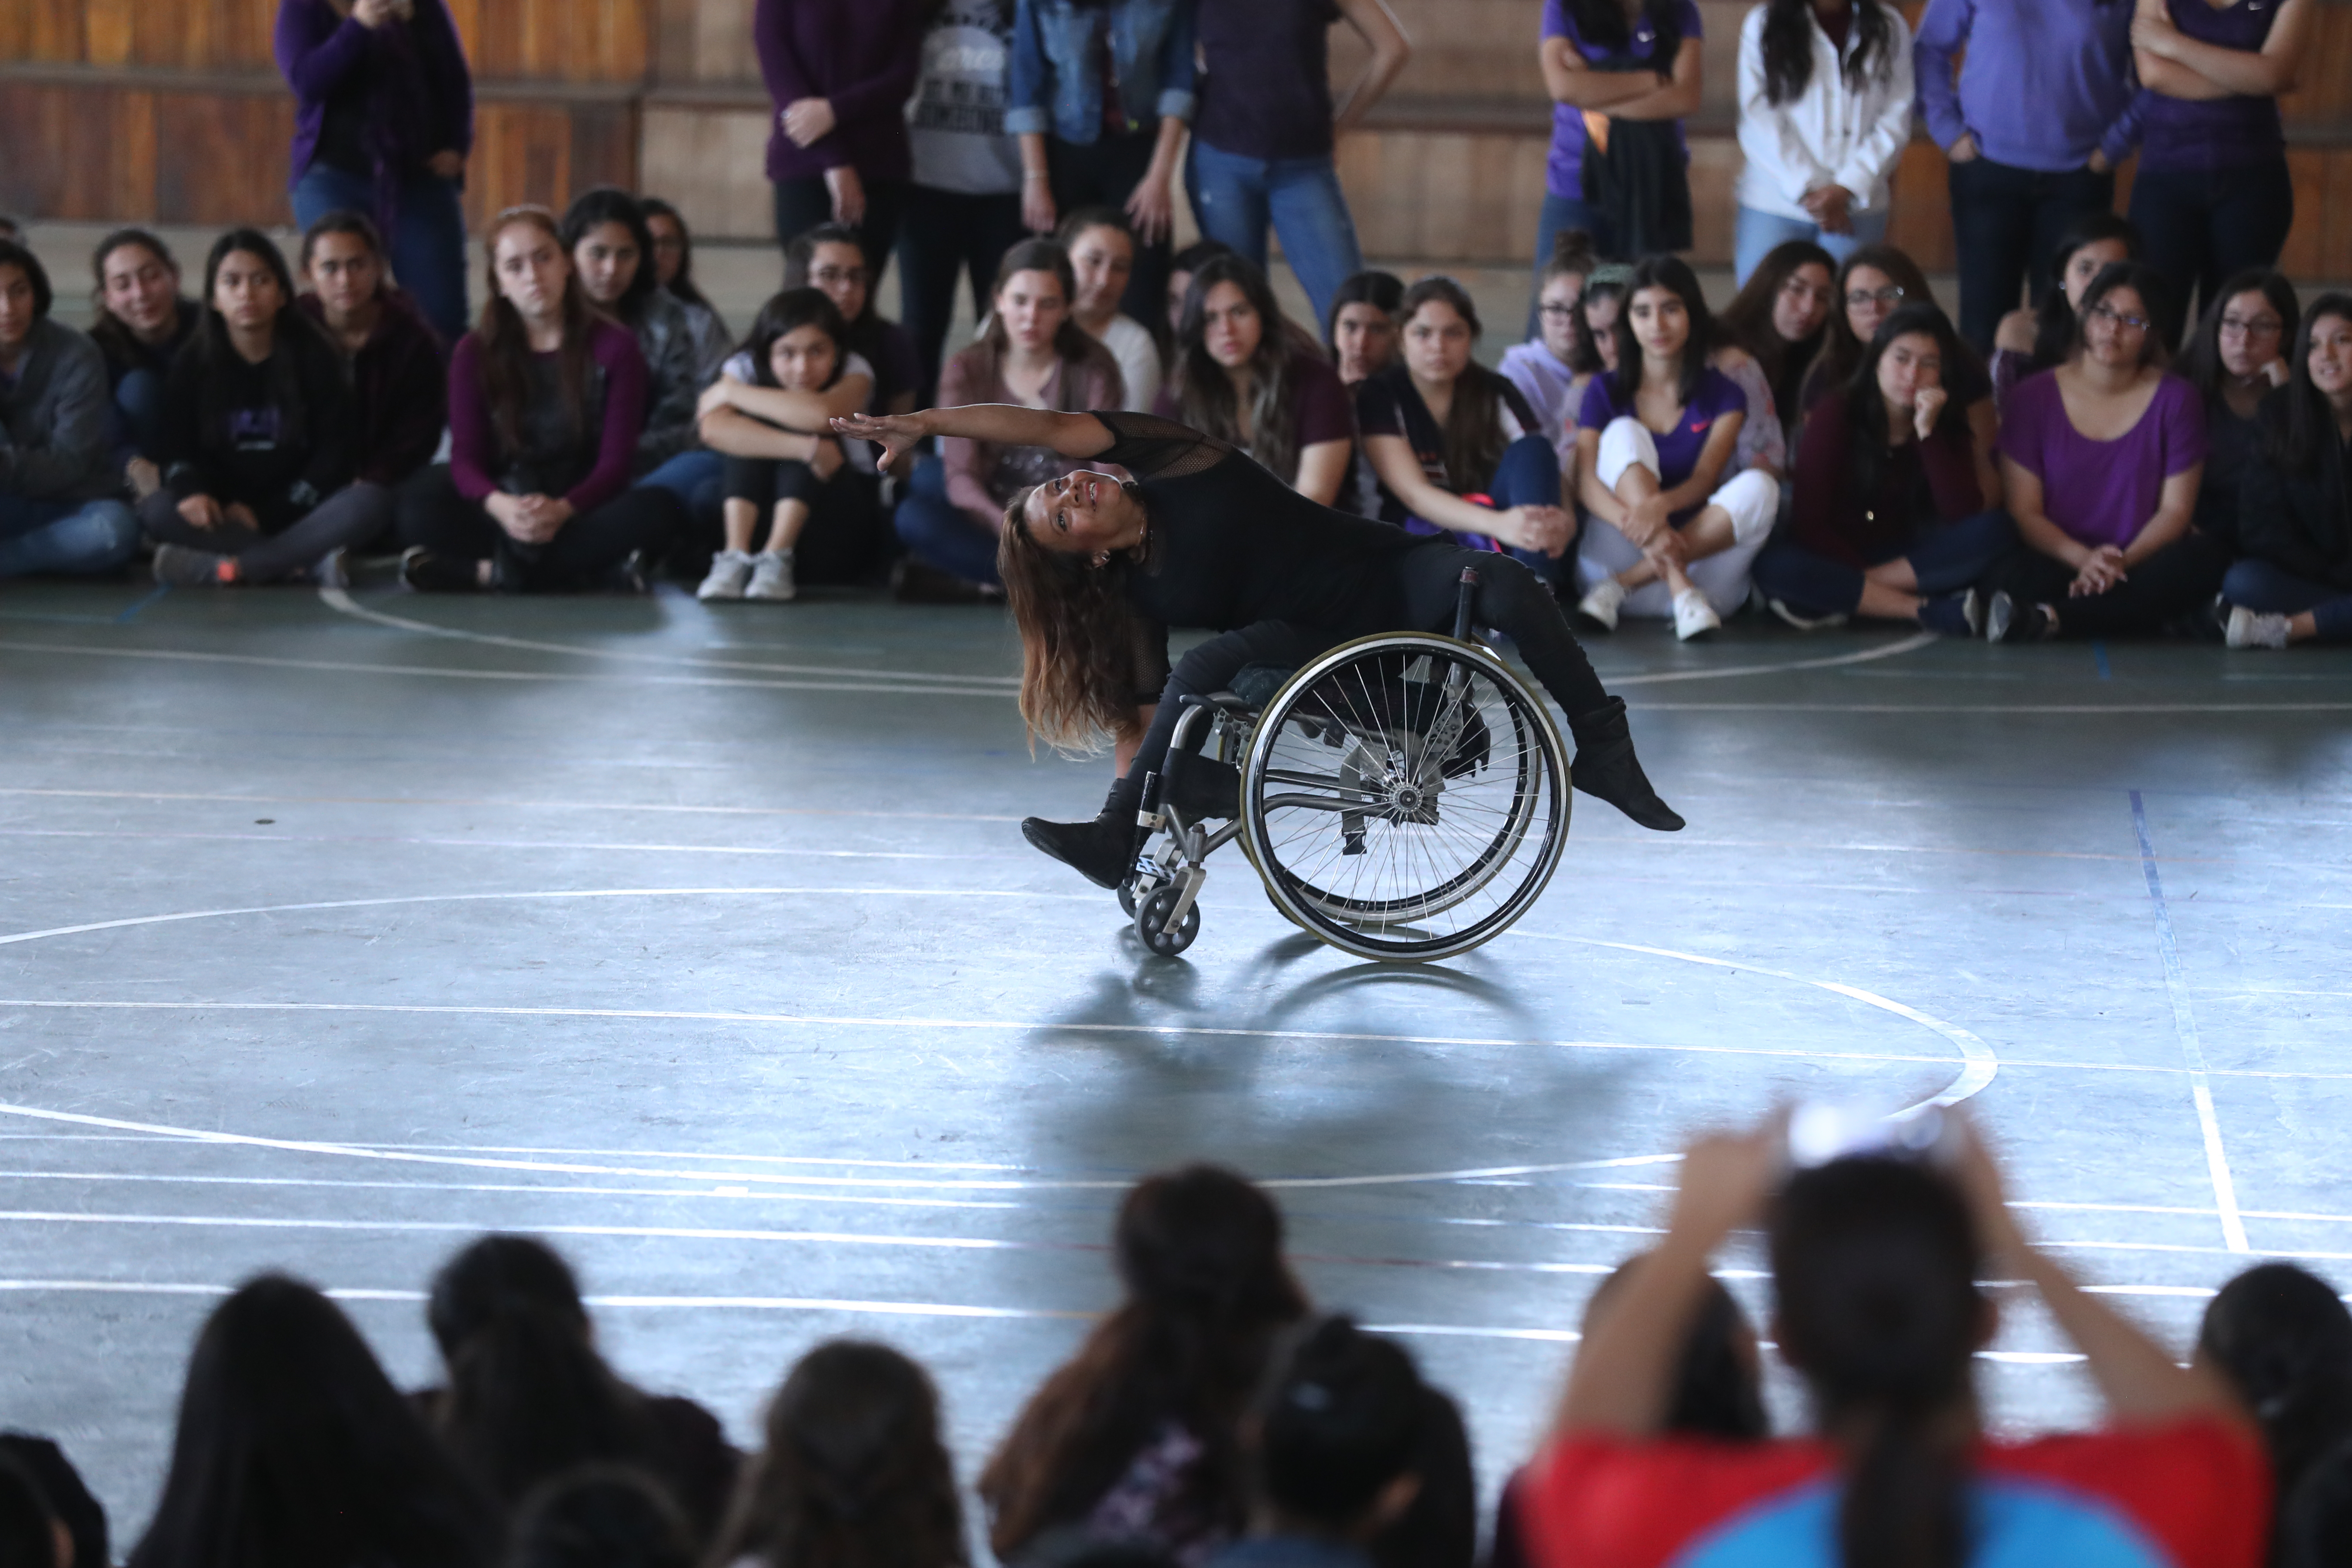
[
  {"x": 1102, "y": 256},
  {"x": 2029, "y": 341},
  {"x": 611, "y": 248},
  {"x": 1331, "y": 1448},
  {"x": 2236, "y": 357},
  {"x": 1596, "y": 320},
  {"x": 142, "y": 321},
  {"x": 1455, "y": 448},
  {"x": 546, "y": 399},
  {"x": 2101, "y": 460},
  {"x": 1890, "y": 520},
  {"x": 828, "y": 257},
  {"x": 1035, "y": 354},
  {"x": 62, "y": 1489},
  {"x": 1876, "y": 281},
  {"x": 295, "y": 1450},
  {"x": 1361, "y": 334},
  {"x": 673, "y": 271},
  {"x": 599, "y": 1516},
  {"x": 1544, "y": 368},
  {"x": 1246, "y": 375},
  {"x": 1780, "y": 319},
  {"x": 1180, "y": 269},
  {"x": 260, "y": 437},
  {"x": 2282, "y": 1339},
  {"x": 1138, "y": 1435},
  {"x": 59, "y": 475},
  {"x": 398, "y": 376},
  {"x": 822, "y": 504},
  {"x": 529, "y": 1397},
  {"x": 2294, "y": 506},
  {"x": 854, "y": 1473},
  {"x": 1671, "y": 526},
  {"x": 1875, "y": 1264}
]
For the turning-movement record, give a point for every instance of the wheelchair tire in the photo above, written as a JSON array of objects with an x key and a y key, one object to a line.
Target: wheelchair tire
[
  {"x": 1368, "y": 835},
  {"x": 1151, "y": 922}
]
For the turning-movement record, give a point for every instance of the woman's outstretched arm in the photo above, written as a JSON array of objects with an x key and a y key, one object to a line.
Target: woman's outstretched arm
[{"x": 1074, "y": 435}]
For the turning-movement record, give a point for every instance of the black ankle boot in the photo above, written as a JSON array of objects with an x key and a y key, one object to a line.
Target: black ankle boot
[
  {"x": 1103, "y": 850},
  {"x": 1606, "y": 768}
]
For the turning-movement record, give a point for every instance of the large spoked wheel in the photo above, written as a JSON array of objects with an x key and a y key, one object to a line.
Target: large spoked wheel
[{"x": 1405, "y": 796}]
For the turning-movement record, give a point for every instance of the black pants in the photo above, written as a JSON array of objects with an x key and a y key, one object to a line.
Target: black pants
[
  {"x": 945, "y": 233},
  {"x": 2006, "y": 222},
  {"x": 432, "y": 514},
  {"x": 1511, "y": 599},
  {"x": 2199, "y": 228},
  {"x": 2169, "y": 583},
  {"x": 1103, "y": 174},
  {"x": 803, "y": 204},
  {"x": 845, "y": 540},
  {"x": 348, "y": 520}
]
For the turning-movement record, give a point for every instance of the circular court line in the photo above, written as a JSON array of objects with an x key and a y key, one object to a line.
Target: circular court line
[{"x": 1979, "y": 1064}]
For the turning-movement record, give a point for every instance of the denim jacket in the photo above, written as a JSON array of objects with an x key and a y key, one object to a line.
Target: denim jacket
[{"x": 1056, "y": 85}]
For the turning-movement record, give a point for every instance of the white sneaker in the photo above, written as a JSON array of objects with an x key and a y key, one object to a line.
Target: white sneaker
[
  {"x": 771, "y": 577},
  {"x": 1694, "y": 616},
  {"x": 2248, "y": 629},
  {"x": 1799, "y": 619},
  {"x": 1601, "y": 604},
  {"x": 730, "y": 570}
]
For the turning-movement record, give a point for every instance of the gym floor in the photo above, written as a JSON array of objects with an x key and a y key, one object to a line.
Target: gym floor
[{"x": 334, "y": 930}]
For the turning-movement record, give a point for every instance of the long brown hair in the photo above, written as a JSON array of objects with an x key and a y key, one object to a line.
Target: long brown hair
[
  {"x": 1204, "y": 389},
  {"x": 1472, "y": 435},
  {"x": 1082, "y": 654},
  {"x": 506, "y": 343},
  {"x": 1200, "y": 1251}
]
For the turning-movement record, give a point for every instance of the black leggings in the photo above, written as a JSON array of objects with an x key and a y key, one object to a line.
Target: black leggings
[
  {"x": 2169, "y": 583},
  {"x": 1511, "y": 599},
  {"x": 348, "y": 520},
  {"x": 433, "y": 514},
  {"x": 844, "y": 539}
]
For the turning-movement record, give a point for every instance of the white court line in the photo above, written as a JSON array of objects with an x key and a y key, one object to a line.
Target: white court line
[
  {"x": 2006, "y": 707},
  {"x": 340, "y": 599},
  {"x": 1664, "y": 677},
  {"x": 508, "y": 805},
  {"x": 2192, "y": 1049}
]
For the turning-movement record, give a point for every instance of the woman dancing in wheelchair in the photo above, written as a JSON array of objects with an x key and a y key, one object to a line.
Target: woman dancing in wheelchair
[{"x": 1097, "y": 570}]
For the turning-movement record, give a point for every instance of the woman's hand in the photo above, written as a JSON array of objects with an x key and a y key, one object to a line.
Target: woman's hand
[
  {"x": 1831, "y": 207},
  {"x": 1725, "y": 1182},
  {"x": 145, "y": 478},
  {"x": 1927, "y": 403},
  {"x": 447, "y": 164},
  {"x": 807, "y": 121},
  {"x": 372, "y": 14},
  {"x": 238, "y": 512},
  {"x": 1963, "y": 151},
  {"x": 1151, "y": 207},
  {"x": 848, "y": 196},
  {"x": 201, "y": 512},
  {"x": 1545, "y": 528},
  {"x": 1037, "y": 214},
  {"x": 895, "y": 433},
  {"x": 827, "y": 460},
  {"x": 1645, "y": 520},
  {"x": 2152, "y": 30},
  {"x": 2100, "y": 571},
  {"x": 2275, "y": 373}
]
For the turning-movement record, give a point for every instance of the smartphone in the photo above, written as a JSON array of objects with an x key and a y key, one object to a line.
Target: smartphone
[{"x": 1821, "y": 1130}]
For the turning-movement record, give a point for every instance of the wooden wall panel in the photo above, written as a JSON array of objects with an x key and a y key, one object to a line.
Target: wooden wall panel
[
  {"x": 222, "y": 159},
  {"x": 712, "y": 163}
]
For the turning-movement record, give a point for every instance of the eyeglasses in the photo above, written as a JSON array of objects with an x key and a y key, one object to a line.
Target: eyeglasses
[
  {"x": 834, "y": 277},
  {"x": 2108, "y": 313},
  {"x": 1858, "y": 297},
  {"x": 1556, "y": 313},
  {"x": 1797, "y": 289},
  {"x": 2261, "y": 327}
]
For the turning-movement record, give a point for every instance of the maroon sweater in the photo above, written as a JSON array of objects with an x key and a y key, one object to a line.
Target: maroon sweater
[
  {"x": 404, "y": 392},
  {"x": 1830, "y": 520},
  {"x": 600, "y": 453}
]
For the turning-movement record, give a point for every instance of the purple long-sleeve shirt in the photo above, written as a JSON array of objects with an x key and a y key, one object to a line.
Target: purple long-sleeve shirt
[
  {"x": 419, "y": 78},
  {"x": 2045, "y": 84},
  {"x": 475, "y": 456},
  {"x": 860, "y": 56}
]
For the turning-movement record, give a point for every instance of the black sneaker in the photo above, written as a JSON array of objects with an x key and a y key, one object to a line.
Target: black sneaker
[
  {"x": 426, "y": 573},
  {"x": 630, "y": 576},
  {"x": 1953, "y": 615},
  {"x": 1102, "y": 851},
  {"x": 2008, "y": 621}
]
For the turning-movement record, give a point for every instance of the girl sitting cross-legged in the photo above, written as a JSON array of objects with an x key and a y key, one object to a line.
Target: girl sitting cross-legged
[
  {"x": 767, "y": 414},
  {"x": 1667, "y": 534},
  {"x": 1890, "y": 520},
  {"x": 2295, "y": 521}
]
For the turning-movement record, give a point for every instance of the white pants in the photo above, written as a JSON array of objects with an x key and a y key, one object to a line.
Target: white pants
[{"x": 1750, "y": 497}]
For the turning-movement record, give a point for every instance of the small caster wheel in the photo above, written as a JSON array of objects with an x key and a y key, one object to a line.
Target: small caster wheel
[
  {"x": 1126, "y": 898},
  {"x": 1151, "y": 923}
]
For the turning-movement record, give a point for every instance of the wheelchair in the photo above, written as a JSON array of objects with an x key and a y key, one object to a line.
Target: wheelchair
[{"x": 1403, "y": 798}]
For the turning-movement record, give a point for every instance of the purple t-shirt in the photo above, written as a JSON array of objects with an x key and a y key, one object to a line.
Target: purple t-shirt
[
  {"x": 1679, "y": 449},
  {"x": 2102, "y": 492},
  {"x": 2213, "y": 133},
  {"x": 1564, "y": 173}
]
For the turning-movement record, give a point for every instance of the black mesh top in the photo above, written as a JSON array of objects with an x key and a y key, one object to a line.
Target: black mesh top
[{"x": 1231, "y": 544}]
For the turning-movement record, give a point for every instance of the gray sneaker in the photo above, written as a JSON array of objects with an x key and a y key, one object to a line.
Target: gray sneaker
[
  {"x": 771, "y": 577},
  {"x": 730, "y": 571},
  {"x": 179, "y": 566},
  {"x": 2249, "y": 628}
]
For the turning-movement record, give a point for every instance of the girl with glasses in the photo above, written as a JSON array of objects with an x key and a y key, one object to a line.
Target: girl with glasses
[{"x": 2237, "y": 356}]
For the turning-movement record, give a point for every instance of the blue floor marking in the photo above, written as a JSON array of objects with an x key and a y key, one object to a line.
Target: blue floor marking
[
  {"x": 2099, "y": 656},
  {"x": 130, "y": 615}
]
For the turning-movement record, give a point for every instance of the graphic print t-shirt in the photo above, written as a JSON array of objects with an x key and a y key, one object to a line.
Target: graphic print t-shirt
[
  {"x": 956, "y": 118},
  {"x": 2190, "y": 1494}
]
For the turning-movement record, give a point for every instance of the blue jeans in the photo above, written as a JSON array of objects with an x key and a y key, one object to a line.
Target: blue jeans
[
  {"x": 78, "y": 537},
  {"x": 429, "y": 242},
  {"x": 2199, "y": 227},
  {"x": 1757, "y": 233},
  {"x": 1236, "y": 197},
  {"x": 2273, "y": 591},
  {"x": 1527, "y": 474},
  {"x": 1944, "y": 558},
  {"x": 942, "y": 534},
  {"x": 1563, "y": 213},
  {"x": 139, "y": 409}
]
